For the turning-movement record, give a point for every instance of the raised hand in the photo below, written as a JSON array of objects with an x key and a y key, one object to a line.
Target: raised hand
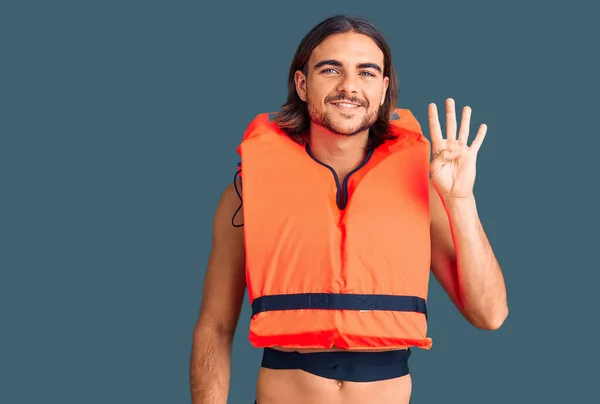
[{"x": 453, "y": 164}]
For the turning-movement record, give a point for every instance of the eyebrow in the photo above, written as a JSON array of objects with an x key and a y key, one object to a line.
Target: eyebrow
[{"x": 337, "y": 63}]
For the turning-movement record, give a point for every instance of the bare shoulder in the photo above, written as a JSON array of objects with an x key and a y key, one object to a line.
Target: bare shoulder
[{"x": 225, "y": 282}]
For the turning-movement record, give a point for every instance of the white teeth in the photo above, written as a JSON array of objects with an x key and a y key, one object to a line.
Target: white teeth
[{"x": 346, "y": 105}]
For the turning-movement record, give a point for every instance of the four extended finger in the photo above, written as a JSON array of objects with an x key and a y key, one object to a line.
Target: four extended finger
[
  {"x": 435, "y": 130},
  {"x": 476, "y": 145},
  {"x": 450, "y": 120},
  {"x": 463, "y": 134}
]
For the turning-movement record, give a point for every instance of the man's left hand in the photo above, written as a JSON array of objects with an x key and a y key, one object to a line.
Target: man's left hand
[{"x": 453, "y": 164}]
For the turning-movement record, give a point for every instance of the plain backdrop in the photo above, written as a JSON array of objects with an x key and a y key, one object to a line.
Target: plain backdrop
[{"x": 119, "y": 122}]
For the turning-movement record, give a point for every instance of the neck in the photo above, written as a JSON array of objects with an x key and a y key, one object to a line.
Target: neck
[{"x": 342, "y": 153}]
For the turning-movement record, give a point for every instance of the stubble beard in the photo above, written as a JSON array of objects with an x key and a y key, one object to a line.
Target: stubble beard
[{"x": 323, "y": 118}]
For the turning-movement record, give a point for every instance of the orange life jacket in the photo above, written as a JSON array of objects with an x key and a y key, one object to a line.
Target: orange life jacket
[{"x": 336, "y": 262}]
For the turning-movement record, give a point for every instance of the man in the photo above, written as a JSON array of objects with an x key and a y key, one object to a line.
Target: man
[{"x": 343, "y": 216}]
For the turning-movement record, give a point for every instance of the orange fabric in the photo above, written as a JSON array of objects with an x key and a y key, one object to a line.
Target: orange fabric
[{"x": 298, "y": 240}]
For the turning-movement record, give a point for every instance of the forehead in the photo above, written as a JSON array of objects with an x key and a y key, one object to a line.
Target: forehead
[{"x": 348, "y": 48}]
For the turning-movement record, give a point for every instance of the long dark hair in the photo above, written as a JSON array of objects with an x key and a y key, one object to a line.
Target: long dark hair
[{"x": 293, "y": 118}]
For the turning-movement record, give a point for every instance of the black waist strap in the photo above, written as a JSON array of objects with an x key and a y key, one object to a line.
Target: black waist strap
[
  {"x": 333, "y": 301},
  {"x": 342, "y": 365}
]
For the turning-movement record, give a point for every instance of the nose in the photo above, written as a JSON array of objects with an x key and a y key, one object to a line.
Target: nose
[{"x": 347, "y": 84}]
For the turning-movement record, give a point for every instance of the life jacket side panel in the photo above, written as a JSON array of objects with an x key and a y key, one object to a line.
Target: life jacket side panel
[
  {"x": 283, "y": 255},
  {"x": 387, "y": 248},
  {"x": 386, "y": 244}
]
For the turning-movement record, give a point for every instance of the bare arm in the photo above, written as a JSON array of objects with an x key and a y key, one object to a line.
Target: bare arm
[
  {"x": 464, "y": 264},
  {"x": 222, "y": 299}
]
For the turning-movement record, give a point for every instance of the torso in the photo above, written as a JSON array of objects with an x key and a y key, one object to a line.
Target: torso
[{"x": 292, "y": 386}]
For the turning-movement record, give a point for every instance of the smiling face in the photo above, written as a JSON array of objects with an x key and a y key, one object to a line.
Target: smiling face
[{"x": 345, "y": 86}]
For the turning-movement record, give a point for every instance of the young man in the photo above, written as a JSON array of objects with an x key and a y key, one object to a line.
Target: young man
[{"x": 344, "y": 215}]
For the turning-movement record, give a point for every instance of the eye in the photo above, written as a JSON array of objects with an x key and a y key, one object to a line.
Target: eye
[
  {"x": 368, "y": 74},
  {"x": 329, "y": 70}
]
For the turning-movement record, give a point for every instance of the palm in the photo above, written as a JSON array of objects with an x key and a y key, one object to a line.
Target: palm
[{"x": 453, "y": 164}]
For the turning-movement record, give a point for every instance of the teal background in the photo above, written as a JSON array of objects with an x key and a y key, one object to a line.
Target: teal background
[{"x": 118, "y": 128}]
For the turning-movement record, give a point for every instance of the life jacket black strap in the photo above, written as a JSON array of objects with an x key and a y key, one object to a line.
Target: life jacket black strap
[{"x": 333, "y": 301}]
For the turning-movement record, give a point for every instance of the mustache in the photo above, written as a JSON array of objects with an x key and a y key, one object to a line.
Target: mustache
[{"x": 342, "y": 97}]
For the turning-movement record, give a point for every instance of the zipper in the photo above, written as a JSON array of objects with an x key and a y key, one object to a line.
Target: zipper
[{"x": 341, "y": 198}]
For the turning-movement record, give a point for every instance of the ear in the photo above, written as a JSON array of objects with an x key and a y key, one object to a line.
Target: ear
[
  {"x": 386, "y": 83},
  {"x": 300, "y": 80}
]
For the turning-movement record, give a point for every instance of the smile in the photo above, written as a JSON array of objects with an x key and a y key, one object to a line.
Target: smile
[{"x": 346, "y": 105}]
